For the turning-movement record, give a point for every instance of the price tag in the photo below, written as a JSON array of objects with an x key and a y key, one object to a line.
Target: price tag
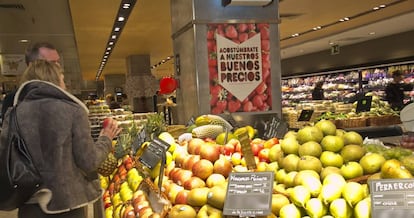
[
  {"x": 247, "y": 149},
  {"x": 305, "y": 115},
  {"x": 275, "y": 128},
  {"x": 249, "y": 194},
  {"x": 138, "y": 141},
  {"x": 392, "y": 198},
  {"x": 191, "y": 121},
  {"x": 153, "y": 153},
  {"x": 364, "y": 104}
]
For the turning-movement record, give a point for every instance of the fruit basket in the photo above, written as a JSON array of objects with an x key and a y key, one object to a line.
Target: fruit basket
[
  {"x": 158, "y": 200},
  {"x": 383, "y": 120},
  {"x": 351, "y": 122}
]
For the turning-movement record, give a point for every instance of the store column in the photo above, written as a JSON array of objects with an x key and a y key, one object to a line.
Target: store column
[
  {"x": 227, "y": 57},
  {"x": 140, "y": 84}
]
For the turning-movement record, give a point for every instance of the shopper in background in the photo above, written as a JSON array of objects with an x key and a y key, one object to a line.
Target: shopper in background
[
  {"x": 318, "y": 92},
  {"x": 40, "y": 50},
  {"x": 52, "y": 119},
  {"x": 110, "y": 101},
  {"x": 394, "y": 92}
]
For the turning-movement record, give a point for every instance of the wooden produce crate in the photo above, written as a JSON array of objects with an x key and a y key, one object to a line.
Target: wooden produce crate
[
  {"x": 384, "y": 120},
  {"x": 351, "y": 123}
]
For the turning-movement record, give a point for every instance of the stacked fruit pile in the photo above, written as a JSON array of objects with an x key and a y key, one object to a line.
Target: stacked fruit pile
[{"x": 319, "y": 171}]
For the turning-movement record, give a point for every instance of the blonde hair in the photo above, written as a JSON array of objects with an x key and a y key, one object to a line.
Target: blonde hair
[{"x": 43, "y": 70}]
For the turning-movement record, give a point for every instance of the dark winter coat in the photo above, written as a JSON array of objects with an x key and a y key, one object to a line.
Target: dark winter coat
[{"x": 55, "y": 126}]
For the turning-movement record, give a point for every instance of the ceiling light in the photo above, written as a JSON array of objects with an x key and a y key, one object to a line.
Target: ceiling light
[
  {"x": 113, "y": 37},
  {"x": 382, "y": 6},
  {"x": 317, "y": 28},
  {"x": 111, "y": 43},
  {"x": 121, "y": 19},
  {"x": 126, "y": 6},
  {"x": 23, "y": 40},
  {"x": 295, "y": 35},
  {"x": 117, "y": 29},
  {"x": 109, "y": 48},
  {"x": 344, "y": 19},
  {"x": 371, "y": 33}
]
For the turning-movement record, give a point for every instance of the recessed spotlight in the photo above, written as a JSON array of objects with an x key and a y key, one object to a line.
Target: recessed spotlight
[
  {"x": 382, "y": 6},
  {"x": 111, "y": 43},
  {"x": 317, "y": 28},
  {"x": 126, "y": 5},
  {"x": 371, "y": 33},
  {"x": 113, "y": 37},
  {"x": 117, "y": 29},
  {"x": 331, "y": 43},
  {"x": 121, "y": 19},
  {"x": 109, "y": 48},
  {"x": 295, "y": 35},
  {"x": 344, "y": 19},
  {"x": 23, "y": 40}
]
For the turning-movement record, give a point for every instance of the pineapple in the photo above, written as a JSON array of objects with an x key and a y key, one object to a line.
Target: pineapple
[{"x": 109, "y": 165}]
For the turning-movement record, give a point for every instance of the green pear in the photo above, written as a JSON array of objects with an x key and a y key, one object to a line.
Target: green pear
[
  {"x": 313, "y": 184},
  {"x": 334, "y": 178},
  {"x": 289, "y": 211},
  {"x": 330, "y": 192},
  {"x": 300, "y": 195},
  {"x": 353, "y": 192},
  {"x": 315, "y": 207},
  {"x": 340, "y": 209},
  {"x": 280, "y": 176},
  {"x": 363, "y": 208}
]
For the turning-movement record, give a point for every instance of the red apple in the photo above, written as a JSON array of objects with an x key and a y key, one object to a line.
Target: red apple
[
  {"x": 105, "y": 122},
  {"x": 190, "y": 161},
  {"x": 194, "y": 145},
  {"x": 173, "y": 191},
  {"x": 194, "y": 182},
  {"x": 264, "y": 155},
  {"x": 129, "y": 212},
  {"x": 183, "y": 176},
  {"x": 145, "y": 212},
  {"x": 271, "y": 142},
  {"x": 181, "y": 197},
  {"x": 203, "y": 168},
  {"x": 222, "y": 166},
  {"x": 256, "y": 147},
  {"x": 209, "y": 152},
  {"x": 228, "y": 149}
]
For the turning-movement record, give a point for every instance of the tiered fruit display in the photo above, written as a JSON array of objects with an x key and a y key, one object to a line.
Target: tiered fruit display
[{"x": 315, "y": 169}]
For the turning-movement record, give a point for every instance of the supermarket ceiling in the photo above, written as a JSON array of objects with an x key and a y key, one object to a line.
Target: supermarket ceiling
[{"x": 80, "y": 28}]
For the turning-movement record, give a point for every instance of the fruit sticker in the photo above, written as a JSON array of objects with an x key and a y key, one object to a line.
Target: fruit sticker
[{"x": 239, "y": 67}]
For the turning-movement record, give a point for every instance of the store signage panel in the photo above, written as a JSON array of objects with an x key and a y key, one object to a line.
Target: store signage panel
[
  {"x": 239, "y": 67},
  {"x": 305, "y": 115},
  {"x": 246, "y": 187},
  {"x": 392, "y": 198},
  {"x": 153, "y": 153},
  {"x": 12, "y": 64},
  {"x": 364, "y": 104}
]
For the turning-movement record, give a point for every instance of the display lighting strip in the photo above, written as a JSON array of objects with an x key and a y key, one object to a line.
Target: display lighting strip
[
  {"x": 122, "y": 16},
  {"x": 163, "y": 61},
  {"x": 344, "y": 19}
]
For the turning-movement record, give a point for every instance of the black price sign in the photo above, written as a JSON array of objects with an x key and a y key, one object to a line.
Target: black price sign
[
  {"x": 364, "y": 104},
  {"x": 153, "y": 153},
  {"x": 247, "y": 187},
  {"x": 139, "y": 140},
  {"x": 392, "y": 198},
  {"x": 305, "y": 115}
]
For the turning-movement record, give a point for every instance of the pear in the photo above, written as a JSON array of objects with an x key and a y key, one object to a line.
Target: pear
[
  {"x": 313, "y": 184},
  {"x": 334, "y": 178},
  {"x": 289, "y": 211},
  {"x": 363, "y": 208},
  {"x": 300, "y": 195},
  {"x": 353, "y": 192},
  {"x": 340, "y": 209},
  {"x": 366, "y": 189},
  {"x": 330, "y": 192},
  {"x": 315, "y": 207}
]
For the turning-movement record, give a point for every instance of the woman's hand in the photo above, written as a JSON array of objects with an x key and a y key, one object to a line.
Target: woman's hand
[{"x": 110, "y": 129}]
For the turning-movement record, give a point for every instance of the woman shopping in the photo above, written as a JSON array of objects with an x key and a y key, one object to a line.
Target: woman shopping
[{"x": 52, "y": 119}]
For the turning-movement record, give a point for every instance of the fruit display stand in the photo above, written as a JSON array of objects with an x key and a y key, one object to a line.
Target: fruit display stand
[{"x": 318, "y": 170}]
